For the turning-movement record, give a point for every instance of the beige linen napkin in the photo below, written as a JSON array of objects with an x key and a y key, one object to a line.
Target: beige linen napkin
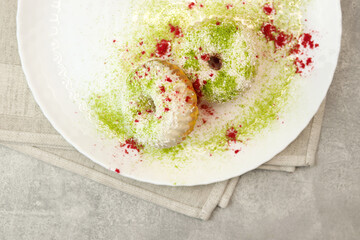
[{"x": 24, "y": 128}]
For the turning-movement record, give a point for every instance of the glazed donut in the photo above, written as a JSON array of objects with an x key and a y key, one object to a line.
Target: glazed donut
[
  {"x": 218, "y": 57},
  {"x": 160, "y": 103}
]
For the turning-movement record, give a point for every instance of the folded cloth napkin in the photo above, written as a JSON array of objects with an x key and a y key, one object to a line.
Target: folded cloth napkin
[{"x": 24, "y": 128}]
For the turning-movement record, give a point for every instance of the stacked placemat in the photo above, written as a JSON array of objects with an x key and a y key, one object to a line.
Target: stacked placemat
[{"x": 24, "y": 128}]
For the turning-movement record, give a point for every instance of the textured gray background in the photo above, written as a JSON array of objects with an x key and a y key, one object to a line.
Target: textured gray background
[{"x": 38, "y": 201}]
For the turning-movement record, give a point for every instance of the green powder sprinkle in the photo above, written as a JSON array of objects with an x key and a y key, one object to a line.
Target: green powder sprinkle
[
  {"x": 191, "y": 63},
  {"x": 271, "y": 74},
  {"x": 223, "y": 88}
]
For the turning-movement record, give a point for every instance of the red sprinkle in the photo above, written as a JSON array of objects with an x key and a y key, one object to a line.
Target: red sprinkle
[
  {"x": 205, "y": 57},
  {"x": 141, "y": 43},
  {"x": 218, "y": 23},
  {"x": 114, "y": 41},
  {"x": 271, "y": 33},
  {"x": 268, "y": 9},
  {"x": 136, "y": 120},
  {"x": 208, "y": 110},
  {"x": 167, "y": 109},
  {"x": 268, "y": 30},
  {"x": 168, "y": 79},
  {"x": 201, "y": 5},
  {"x": 231, "y": 134},
  {"x": 191, "y": 5},
  {"x": 237, "y": 151},
  {"x": 163, "y": 47},
  {"x": 204, "y": 82},
  {"x": 307, "y": 40},
  {"x": 204, "y": 121},
  {"x": 187, "y": 99},
  {"x": 162, "y": 89},
  {"x": 117, "y": 170},
  {"x": 197, "y": 88},
  {"x": 282, "y": 39},
  {"x": 143, "y": 52},
  {"x": 295, "y": 49},
  {"x": 131, "y": 144},
  {"x": 176, "y": 30},
  {"x": 299, "y": 65},
  {"x": 168, "y": 99},
  {"x": 308, "y": 61},
  {"x": 229, "y": 6},
  {"x": 211, "y": 75}
]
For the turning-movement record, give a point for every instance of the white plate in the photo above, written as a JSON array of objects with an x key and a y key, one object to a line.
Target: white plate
[{"x": 54, "y": 38}]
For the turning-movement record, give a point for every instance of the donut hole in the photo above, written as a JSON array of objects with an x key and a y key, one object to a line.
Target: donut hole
[
  {"x": 215, "y": 62},
  {"x": 150, "y": 105},
  {"x": 145, "y": 104}
]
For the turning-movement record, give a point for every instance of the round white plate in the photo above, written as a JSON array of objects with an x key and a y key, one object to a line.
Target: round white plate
[{"x": 54, "y": 38}]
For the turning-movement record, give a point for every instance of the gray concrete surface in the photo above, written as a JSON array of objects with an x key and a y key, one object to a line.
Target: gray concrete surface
[{"x": 38, "y": 201}]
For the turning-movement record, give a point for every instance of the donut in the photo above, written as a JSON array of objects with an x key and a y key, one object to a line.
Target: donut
[
  {"x": 218, "y": 56},
  {"x": 160, "y": 104}
]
